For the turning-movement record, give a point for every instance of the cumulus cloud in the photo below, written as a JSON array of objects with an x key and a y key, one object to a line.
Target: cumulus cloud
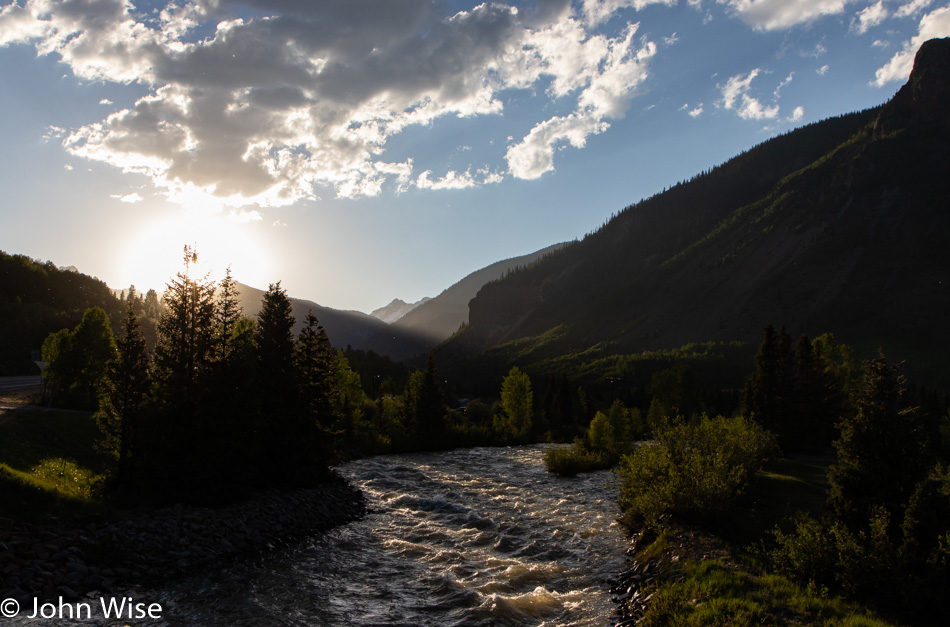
[
  {"x": 105, "y": 101},
  {"x": 698, "y": 111},
  {"x": 266, "y": 102},
  {"x": 608, "y": 86},
  {"x": 128, "y": 198},
  {"x": 736, "y": 96},
  {"x": 934, "y": 24},
  {"x": 869, "y": 17},
  {"x": 797, "y": 114},
  {"x": 912, "y": 8},
  {"x": 782, "y": 14},
  {"x": 822, "y": 70}
]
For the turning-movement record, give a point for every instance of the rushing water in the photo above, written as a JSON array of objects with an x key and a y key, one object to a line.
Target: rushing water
[{"x": 468, "y": 537}]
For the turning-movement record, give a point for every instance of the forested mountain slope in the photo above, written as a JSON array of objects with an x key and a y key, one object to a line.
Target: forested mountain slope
[{"x": 838, "y": 226}]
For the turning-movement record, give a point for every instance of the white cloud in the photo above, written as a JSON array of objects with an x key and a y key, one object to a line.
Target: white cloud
[
  {"x": 735, "y": 96},
  {"x": 105, "y": 101},
  {"x": 128, "y": 198},
  {"x": 607, "y": 94},
  {"x": 788, "y": 79},
  {"x": 934, "y": 24},
  {"x": 912, "y": 8},
  {"x": 53, "y": 132},
  {"x": 869, "y": 17},
  {"x": 822, "y": 70},
  {"x": 797, "y": 115},
  {"x": 67, "y": 167},
  {"x": 698, "y": 111},
  {"x": 782, "y": 14},
  {"x": 672, "y": 39},
  {"x": 534, "y": 155},
  {"x": 599, "y": 11},
  {"x": 255, "y": 102}
]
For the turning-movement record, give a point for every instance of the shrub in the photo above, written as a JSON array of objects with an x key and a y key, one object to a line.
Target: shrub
[
  {"x": 567, "y": 461},
  {"x": 695, "y": 471}
]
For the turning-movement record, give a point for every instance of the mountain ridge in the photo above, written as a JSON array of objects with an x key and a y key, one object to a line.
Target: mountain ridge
[{"x": 805, "y": 230}]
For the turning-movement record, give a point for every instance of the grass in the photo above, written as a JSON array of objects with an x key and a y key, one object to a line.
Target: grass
[
  {"x": 713, "y": 593},
  {"x": 49, "y": 465},
  {"x": 782, "y": 488},
  {"x": 723, "y": 588}
]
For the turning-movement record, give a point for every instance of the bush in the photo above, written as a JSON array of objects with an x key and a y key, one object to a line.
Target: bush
[
  {"x": 695, "y": 471},
  {"x": 567, "y": 461}
]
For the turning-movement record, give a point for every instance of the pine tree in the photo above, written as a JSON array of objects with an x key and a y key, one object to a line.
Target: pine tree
[
  {"x": 227, "y": 314},
  {"x": 185, "y": 346},
  {"x": 275, "y": 346},
  {"x": 125, "y": 394},
  {"x": 315, "y": 361},
  {"x": 883, "y": 450}
]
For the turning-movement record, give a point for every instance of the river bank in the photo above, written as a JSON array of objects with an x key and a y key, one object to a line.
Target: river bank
[{"x": 52, "y": 560}]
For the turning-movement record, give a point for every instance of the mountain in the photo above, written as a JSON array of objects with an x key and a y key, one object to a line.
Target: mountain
[
  {"x": 344, "y": 328},
  {"x": 438, "y": 318},
  {"x": 838, "y": 226},
  {"x": 396, "y": 310}
]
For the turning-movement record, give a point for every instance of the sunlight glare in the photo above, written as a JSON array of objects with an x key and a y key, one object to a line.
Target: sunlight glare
[{"x": 155, "y": 255}]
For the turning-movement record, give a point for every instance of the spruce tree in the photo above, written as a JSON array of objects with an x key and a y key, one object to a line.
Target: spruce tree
[
  {"x": 184, "y": 349},
  {"x": 227, "y": 314},
  {"x": 315, "y": 361},
  {"x": 125, "y": 394},
  {"x": 883, "y": 452}
]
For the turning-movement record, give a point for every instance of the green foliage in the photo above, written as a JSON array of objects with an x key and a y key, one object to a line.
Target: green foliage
[
  {"x": 601, "y": 434},
  {"x": 713, "y": 593},
  {"x": 517, "y": 400},
  {"x": 49, "y": 465},
  {"x": 695, "y": 471},
  {"x": 78, "y": 359},
  {"x": 568, "y": 461},
  {"x": 37, "y": 299},
  {"x": 796, "y": 392},
  {"x": 883, "y": 452}
]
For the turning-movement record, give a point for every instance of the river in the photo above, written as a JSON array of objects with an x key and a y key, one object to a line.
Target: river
[{"x": 469, "y": 537}]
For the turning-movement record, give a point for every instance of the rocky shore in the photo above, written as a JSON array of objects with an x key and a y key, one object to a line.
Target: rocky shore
[{"x": 52, "y": 560}]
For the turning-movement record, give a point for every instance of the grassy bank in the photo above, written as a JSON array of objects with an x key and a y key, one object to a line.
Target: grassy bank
[
  {"x": 711, "y": 575},
  {"x": 49, "y": 466}
]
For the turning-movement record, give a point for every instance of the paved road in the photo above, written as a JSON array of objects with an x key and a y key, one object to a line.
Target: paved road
[{"x": 12, "y": 384}]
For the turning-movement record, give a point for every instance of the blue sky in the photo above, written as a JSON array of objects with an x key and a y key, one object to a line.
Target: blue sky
[{"x": 363, "y": 150}]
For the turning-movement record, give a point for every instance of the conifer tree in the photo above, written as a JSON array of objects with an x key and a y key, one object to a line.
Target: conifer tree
[
  {"x": 315, "y": 362},
  {"x": 883, "y": 450},
  {"x": 185, "y": 346},
  {"x": 275, "y": 345},
  {"x": 227, "y": 314},
  {"x": 125, "y": 394}
]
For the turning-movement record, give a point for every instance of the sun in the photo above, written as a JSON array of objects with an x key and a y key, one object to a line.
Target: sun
[{"x": 156, "y": 253}]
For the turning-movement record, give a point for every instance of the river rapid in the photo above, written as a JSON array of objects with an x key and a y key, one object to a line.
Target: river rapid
[{"x": 468, "y": 537}]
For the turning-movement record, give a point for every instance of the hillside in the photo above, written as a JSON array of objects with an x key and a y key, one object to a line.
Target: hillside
[
  {"x": 438, "y": 318},
  {"x": 837, "y": 226},
  {"x": 344, "y": 328},
  {"x": 36, "y": 299}
]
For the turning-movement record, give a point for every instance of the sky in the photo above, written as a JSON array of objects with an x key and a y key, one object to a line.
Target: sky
[{"x": 364, "y": 150}]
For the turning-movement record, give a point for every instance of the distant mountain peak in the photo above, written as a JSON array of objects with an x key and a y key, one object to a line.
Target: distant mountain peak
[
  {"x": 924, "y": 100},
  {"x": 396, "y": 310}
]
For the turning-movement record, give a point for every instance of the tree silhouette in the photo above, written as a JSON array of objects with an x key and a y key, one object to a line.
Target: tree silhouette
[{"x": 124, "y": 395}]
